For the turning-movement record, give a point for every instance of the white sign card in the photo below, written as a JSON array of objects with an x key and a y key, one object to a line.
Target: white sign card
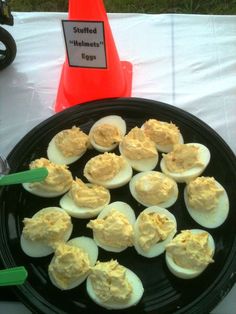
[{"x": 85, "y": 43}]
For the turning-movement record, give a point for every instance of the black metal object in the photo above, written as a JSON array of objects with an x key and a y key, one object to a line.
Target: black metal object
[{"x": 7, "y": 43}]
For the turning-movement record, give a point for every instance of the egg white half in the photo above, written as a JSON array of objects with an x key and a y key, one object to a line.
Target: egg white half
[
  {"x": 56, "y": 156},
  {"x": 123, "y": 208},
  {"x": 87, "y": 245},
  {"x": 186, "y": 273},
  {"x": 145, "y": 164},
  {"x": 38, "y": 248},
  {"x": 159, "y": 247},
  {"x": 212, "y": 218},
  {"x": 68, "y": 204},
  {"x": 186, "y": 176},
  {"x": 122, "y": 178},
  {"x": 41, "y": 192},
  {"x": 133, "y": 192},
  {"x": 114, "y": 120},
  {"x": 135, "y": 297}
]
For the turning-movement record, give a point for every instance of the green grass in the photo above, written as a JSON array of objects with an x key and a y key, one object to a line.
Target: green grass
[{"x": 139, "y": 6}]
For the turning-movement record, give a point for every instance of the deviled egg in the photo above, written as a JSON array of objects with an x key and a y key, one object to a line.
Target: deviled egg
[
  {"x": 109, "y": 170},
  {"x": 189, "y": 253},
  {"x": 186, "y": 161},
  {"x": 206, "y": 201},
  {"x": 67, "y": 146},
  {"x": 85, "y": 200},
  {"x": 107, "y": 133},
  {"x": 57, "y": 182},
  {"x": 72, "y": 262},
  {"x": 139, "y": 150},
  {"x": 153, "y": 188},
  {"x": 154, "y": 228},
  {"x": 165, "y": 135},
  {"x": 44, "y": 231},
  {"x": 114, "y": 286},
  {"x": 113, "y": 228}
]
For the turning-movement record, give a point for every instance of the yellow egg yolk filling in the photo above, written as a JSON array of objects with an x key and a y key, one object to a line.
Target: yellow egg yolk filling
[
  {"x": 154, "y": 188},
  {"x": 203, "y": 193},
  {"x": 48, "y": 227},
  {"x": 106, "y": 135},
  {"x": 182, "y": 158},
  {"x": 90, "y": 196},
  {"x": 104, "y": 167},
  {"x": 110, "y": 283},
  {"x": 59, "y": 178},
  {"x": 153, "y": 228},
  {"x": 136, "y": 145},
  {"x": 190, "y": 250},
  {"x": 68, "y": 265},
  {"x": 72, "y": 142},
  {"x": 162, "y": 133},
  {"x": 113, "y": 230}
]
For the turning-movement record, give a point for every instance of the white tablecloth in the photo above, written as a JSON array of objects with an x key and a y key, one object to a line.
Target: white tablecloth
[{"x": 188, "y": 61}]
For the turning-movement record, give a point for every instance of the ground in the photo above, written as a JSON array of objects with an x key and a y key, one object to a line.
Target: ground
[{"x": 141, "y": 6}]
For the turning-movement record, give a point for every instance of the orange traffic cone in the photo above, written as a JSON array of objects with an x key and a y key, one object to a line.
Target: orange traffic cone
[{"x": 81, "y": 81}]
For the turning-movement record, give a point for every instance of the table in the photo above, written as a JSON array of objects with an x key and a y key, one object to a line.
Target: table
[{"x": 184, "y": 60}]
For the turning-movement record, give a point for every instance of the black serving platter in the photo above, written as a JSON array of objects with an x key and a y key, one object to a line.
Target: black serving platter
[{"x": 163, "y": 293}]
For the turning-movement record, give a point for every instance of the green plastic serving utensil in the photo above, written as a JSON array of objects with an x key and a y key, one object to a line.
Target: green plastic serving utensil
[
  {"x": 13, "y": 276},
  {"x": 33, "y": 175}
]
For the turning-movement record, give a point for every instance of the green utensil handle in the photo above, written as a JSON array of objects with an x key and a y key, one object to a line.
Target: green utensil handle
[
  {"x": 33, "y": 175},
  {"x": 13, "y": 276}
]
